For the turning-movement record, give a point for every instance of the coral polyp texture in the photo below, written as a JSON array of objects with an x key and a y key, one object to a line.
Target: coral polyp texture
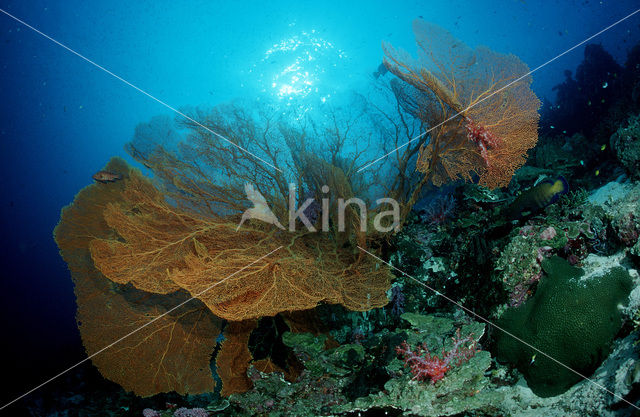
[
  {"x": 479, "y": 108},
  {"x": 573, "y": 318}
]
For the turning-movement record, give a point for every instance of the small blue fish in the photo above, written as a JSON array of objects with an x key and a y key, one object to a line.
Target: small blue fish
[{"x": 538, "y": 197}]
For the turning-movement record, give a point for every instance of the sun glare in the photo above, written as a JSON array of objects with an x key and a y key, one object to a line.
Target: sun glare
[{"x": 300, "y": 67}]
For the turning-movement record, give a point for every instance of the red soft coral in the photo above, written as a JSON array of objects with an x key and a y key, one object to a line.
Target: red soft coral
[{"x": 424, "y": 365}]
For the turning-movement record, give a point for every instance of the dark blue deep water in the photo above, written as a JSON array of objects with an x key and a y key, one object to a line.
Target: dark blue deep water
[{"x": 62, "y": 118}]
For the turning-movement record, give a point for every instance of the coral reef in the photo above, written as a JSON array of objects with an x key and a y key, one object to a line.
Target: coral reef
[
  {"x": 462, "y": 389},
  {"x": 618, "y": 374},
  {"x": 427, "y": 366},
  {"x": 626, "y": 143},
  {"x": 166, "y": 278},
  {"x": 333, "y": 378},
  {"x": 318, "y": 388},
  {"x": 180, "y": 412},
  {"x": 620, "y": 203},
  {"x": 519, "y": 265},
  {"x": 573, "y": 317},
  {"x": 595, "y": 105}
]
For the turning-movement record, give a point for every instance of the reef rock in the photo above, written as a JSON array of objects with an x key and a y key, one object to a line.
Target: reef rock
[{"x": 626, "y": 143}]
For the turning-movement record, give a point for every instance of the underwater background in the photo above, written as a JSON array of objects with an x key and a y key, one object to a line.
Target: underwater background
[{"x": 62, "y": 119}]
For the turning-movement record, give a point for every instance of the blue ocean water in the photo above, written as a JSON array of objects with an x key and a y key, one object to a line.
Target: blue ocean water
[{"x": 62, "y": 118}]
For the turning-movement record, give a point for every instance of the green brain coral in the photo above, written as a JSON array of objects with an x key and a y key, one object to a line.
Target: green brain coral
[{"x": 571, "y": 318}]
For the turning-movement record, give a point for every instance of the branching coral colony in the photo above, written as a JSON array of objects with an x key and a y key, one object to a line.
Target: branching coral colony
[{"x": 138, "y": 247}]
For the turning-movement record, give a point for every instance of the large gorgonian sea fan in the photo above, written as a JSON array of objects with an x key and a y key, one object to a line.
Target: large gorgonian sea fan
[
  {"x": 139, "y": 247},
  {"x": 478, "y": 103}
]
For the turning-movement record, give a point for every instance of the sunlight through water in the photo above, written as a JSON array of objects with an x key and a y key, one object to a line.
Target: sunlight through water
[{"x": 304, "y": 69}]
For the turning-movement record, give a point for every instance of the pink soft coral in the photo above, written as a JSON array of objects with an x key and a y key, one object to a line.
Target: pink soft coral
[{"x": 424, "y": 365}]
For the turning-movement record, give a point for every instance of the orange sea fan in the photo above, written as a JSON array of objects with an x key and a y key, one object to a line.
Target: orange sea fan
[
  {"x": 173, "y": 352},
  {"x": 138, "y": 247},
  {"x": 157, "y": 247},
  {"x": 480, "y": 106},
  {"x": 234, "y": 357},
  {"x": 170, "y": 354}
]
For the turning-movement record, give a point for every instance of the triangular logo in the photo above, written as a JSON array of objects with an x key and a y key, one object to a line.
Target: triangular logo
[{"x": 260, "y": 209}]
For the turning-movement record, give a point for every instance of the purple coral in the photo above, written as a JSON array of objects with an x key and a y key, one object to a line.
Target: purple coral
[
  {"x": 148, "y": 412},
  {"x": 397, "y": 300},
  {"x": 313, "y": 210},
  {"x": 190, "y": 412},
  {"x": 439, "y": 211}
]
